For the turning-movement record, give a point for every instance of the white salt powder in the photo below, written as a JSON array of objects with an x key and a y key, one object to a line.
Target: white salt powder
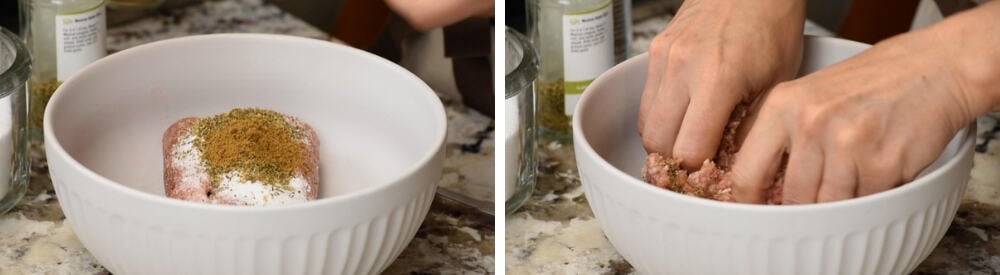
[
  {"x": 6, "y": 145},
  {"x": 233, "y": 189},
  {"x": 187, "y": 158},
  {"x": 513, "y": 143}
]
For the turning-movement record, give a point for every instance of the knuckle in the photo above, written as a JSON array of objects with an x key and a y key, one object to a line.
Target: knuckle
[
  {"x": 812, "y": 120},
  {"x": 869, "y": 121},
  {"x": 676, "y": 59},
  {"x": 681, "y": 52},
  {"x": 661, "y": 44},
  {"x": 742, "y": 181},
  {"x": 663, "y": 37},
  {"x": 737, "y": 177},
  {"x": 682, "y": 45},
  {"x": 848, "y": 140}
]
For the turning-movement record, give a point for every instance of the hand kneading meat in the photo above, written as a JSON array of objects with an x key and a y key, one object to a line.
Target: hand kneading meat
[{"x": 712, "y": 181}]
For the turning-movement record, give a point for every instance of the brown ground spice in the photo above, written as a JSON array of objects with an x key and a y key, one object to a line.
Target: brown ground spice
[{"x": 259, "y": 144}]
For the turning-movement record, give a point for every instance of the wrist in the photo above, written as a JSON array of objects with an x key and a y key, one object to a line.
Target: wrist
[
  {"x": 776, "y": 10},
  {"x": 970, "y": 50},
  {"x": 792, "y": 12}
]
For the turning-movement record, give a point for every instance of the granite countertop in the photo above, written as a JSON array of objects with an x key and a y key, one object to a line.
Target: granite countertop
[
  {"x": 555, "y": 232},
  {"x": 453, "y": 239}
]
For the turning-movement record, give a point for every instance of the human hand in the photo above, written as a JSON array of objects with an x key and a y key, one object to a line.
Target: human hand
[
  {"x": 712, "y": 56},
  {"x": 424, "y": 15},
  {"x": 858, "y": 127}
]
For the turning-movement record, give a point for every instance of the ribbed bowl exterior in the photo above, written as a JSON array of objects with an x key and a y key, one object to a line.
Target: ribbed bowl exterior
[
  {"x": 129, "y": 236},
  {"x": 657, "y": 241}
]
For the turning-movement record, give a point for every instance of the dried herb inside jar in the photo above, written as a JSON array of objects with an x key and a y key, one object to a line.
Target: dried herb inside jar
[
  {"x": 40, "y": 93},
  {"x": 62, "y": 37},
  {"x": 552, "y": 107},
  {"x": 260, "y": 145}
]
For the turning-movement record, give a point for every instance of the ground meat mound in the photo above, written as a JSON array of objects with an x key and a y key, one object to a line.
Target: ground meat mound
[{"x": 712, "y": 181}]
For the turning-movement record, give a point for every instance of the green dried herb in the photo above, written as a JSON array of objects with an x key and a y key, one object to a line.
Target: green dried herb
[
  {"x": 39, "y": 94},
  {"x": 552, "y": 107}
]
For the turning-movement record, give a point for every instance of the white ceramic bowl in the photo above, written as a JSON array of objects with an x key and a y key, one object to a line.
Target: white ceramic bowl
[
  {"x": 381, "y": 133},
  {"x": 662, "y": 232}
]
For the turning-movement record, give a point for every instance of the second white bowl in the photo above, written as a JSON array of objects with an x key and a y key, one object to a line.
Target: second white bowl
[{"x": 662, "y": 232}]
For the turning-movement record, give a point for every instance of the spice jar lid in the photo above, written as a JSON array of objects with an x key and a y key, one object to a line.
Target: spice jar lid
[{"x": 521, "y": 63}]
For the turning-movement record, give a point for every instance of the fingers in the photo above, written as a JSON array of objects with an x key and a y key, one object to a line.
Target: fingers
[
  {"x": 756, "y": 164},
  {"x": 705, "y": 122},
  {"x": 803, "y": 174},
  {"x": 656, "y": 69},
  {"x": 664, "y": 120},
  {"x": 874, "y": 178},
  {"x": 881, "y": 169},
  {"x": 662, "y": 108},
  {"x": 751, "y": 119},
  {"x": 840, "y": 181}
]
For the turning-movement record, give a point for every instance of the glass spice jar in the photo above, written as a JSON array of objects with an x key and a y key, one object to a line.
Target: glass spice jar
[
  {"x": 15, "y": 66},
  {"x": 63, "y": 37},
  {"x": 577, "y": 40},
  {"x": 521, "y": 68}
]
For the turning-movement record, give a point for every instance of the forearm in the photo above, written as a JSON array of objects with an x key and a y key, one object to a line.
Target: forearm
[
  {"x": 779, "y": 20},
  {"x": 790, "y": 13},
  {"x": 784, "y": 13},
  {"x": 789, "y": 8},
  {"x": 969, "y": 42}
]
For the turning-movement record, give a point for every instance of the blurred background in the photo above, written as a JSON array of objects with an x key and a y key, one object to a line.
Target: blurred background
[
  {"x": 319, "y": 13},
  {"x": 861, "y": 20},
  {"x": 378, "y": 30},
  {"x": 893, "y": 16}
]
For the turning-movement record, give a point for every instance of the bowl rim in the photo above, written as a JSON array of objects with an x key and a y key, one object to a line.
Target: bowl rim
[
  {"x": 437, "y": 112},
  {"x": 583, "y": 148}
]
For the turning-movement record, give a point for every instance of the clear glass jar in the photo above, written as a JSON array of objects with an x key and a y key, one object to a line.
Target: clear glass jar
[
  {"x": 521, "y": 70},
  {"x": 15, "y": 67},
  {"x": 63, "y": 37},
  {"x": 576, "y": 40}
]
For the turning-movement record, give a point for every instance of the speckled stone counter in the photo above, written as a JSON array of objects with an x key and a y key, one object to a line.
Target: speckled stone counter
[
  {"x": 453, "y": 238},
  {"x": 555, "y": 232}
]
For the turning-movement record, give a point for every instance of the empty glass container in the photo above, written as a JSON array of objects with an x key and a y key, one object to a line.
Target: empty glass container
[{"x": 520, "y": 133}]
